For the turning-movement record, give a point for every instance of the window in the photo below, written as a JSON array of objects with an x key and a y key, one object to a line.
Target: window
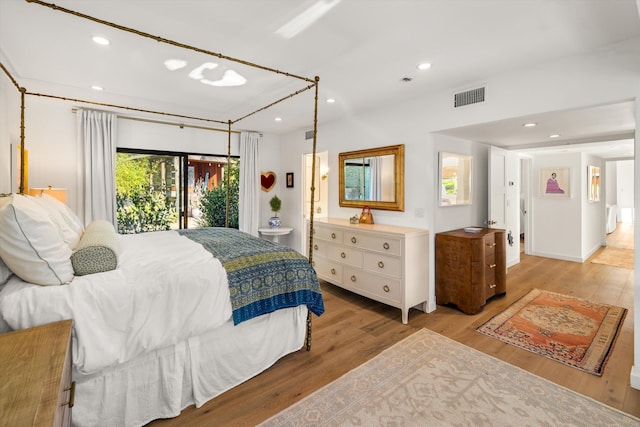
[{"x": 153, "y": 191}]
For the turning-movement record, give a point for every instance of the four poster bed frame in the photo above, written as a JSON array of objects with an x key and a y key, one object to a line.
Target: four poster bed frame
[{"x": 312, "y": 83}]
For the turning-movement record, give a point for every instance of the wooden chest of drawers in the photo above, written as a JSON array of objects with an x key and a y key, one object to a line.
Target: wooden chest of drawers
[
  {"x": 470, "y": 267},
  {"x": 386, "y": 263},
  {"x": 36, "y": 387}
]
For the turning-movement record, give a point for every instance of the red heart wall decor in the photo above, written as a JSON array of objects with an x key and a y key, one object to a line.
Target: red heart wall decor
[{"x": 267, "y": 180}]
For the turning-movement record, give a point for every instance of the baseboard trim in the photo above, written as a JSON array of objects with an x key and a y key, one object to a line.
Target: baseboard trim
[{"x": 635, "y": 377}]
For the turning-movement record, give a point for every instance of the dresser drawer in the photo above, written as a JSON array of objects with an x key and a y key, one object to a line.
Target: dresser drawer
[
  {"x": 320, "y": 248},
  {"x": 373, "y": 284},
  {"x": 350, "y": 256},
  {"x": 327, "y": 233},
  {"x": 328, "y": 270},
  {"x": 383, "y": 264},
  {"x": 388, "y": 245}
]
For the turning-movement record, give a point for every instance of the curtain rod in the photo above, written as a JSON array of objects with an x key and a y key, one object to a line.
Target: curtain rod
[{"x": 162, "y": 122}]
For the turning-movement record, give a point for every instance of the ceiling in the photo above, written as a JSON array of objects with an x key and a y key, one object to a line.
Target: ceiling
[{"x": 364, "y": 51}]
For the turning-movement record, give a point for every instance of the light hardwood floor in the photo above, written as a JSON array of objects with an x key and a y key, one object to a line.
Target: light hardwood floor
[{"x": 355, "y": 329}]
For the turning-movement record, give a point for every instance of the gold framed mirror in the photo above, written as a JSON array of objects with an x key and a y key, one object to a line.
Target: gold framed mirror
[{"x": 372, "y": 177}]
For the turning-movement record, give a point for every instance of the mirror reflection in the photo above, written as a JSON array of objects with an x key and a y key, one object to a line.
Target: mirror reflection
[
  {"x": 455, "y": 179},
  {"x": 369, "y": 178},
  {"x": 373, "y": 177}
]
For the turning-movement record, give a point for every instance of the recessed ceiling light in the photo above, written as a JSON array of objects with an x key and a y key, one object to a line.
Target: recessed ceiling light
[
  {"x": 96, "y": 87},
  {"x": 529, "y": 125},
  {"x": 330, "y": 100},
  {"x": 278, "y": 119},
  {"x": 101, "y": 40},
  {"x": 555, "y": 135},
  {"x": 424, "y": 66}
]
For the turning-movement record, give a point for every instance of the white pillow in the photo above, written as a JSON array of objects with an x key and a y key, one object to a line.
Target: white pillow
[
  {"x": 63, "y": 217},
  {"x": 31, "y": 245},
  {"x": 5, "y": 272}
]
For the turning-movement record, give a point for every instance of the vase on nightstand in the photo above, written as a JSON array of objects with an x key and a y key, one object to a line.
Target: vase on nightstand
[{"x": 274, "y": 222}]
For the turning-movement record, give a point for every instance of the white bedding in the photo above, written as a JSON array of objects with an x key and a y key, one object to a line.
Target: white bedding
[{"x": 166, "y": 289}]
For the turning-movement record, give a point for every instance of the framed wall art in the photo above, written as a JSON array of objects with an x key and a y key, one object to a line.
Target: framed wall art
[
  {"x": 289, "y": 179},
  {"x": 555, "y": 182},
  {"x": 593, "y": 179}
]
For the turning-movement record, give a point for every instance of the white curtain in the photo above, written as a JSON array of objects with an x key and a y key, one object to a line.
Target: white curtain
[
  {"x": 375, "y": 178},
  {"x": 96, "y": 136},
  {"x": 249, "y": 203}
]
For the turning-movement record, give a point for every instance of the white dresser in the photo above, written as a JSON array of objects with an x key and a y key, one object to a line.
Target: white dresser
[{"x": 386, "y": 263}]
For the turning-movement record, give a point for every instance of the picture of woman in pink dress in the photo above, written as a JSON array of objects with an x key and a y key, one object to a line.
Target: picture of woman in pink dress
[{"x": 552, "y": 185}]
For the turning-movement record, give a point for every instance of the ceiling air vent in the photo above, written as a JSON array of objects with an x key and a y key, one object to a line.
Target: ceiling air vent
[
  {"x": 472, "y": 96},
  {"x": 308, "y": 135}
]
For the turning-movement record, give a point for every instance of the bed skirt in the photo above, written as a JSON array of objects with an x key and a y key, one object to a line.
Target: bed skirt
[{"x": 162, "y": 383}]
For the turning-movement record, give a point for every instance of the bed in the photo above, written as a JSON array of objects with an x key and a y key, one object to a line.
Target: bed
[{"x": 182, "y": 317}]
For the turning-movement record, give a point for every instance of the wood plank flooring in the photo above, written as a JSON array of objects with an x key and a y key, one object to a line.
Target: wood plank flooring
[{"x": 355, "y": 329}]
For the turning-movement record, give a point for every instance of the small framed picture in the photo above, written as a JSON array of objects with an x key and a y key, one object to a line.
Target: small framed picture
[
  {"x": 289, "y": 179},
  {"x": 593, "y": 175},
  {"x": 554, "y": 182}
]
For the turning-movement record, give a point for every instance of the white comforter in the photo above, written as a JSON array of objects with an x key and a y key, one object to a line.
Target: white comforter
[{"x": 166, "y": 288}]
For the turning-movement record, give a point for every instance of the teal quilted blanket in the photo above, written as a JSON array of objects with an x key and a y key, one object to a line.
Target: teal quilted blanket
[{"x": 263, "y": 276}]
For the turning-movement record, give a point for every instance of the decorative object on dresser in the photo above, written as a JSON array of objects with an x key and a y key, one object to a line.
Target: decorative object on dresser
[
  {"x": 386, "y": 263},
  {"x": 470, "y": 267},
  {"x": 36, "y": 386}
]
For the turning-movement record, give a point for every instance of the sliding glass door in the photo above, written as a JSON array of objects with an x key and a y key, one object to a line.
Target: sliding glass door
[{"x": 162, "y": 191}]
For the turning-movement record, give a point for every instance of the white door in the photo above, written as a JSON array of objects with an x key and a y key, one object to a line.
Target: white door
[
  {"x": 497, "y": 215},
  {"x": 504, "y": 210}
]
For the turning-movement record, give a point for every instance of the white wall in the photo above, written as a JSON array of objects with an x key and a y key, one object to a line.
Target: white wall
[
  {"x": 611, "y": 182},
  {"x": 625, "y": 190},
  {"x": 556, "y": 222},
  {"x": 594, "y": 218}
]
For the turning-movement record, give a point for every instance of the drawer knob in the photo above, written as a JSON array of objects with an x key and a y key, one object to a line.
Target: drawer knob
[
  {"x": 492, "y": 286},
  {"x": 353, "y": 240},
  {"x": 333, "y": 235},
  {"x": 315, "y": 247},
  {"x": 72, "y": 394},
  {"x": 353, "y": 278},
  {"x": 492, "y": 265},
  {"x": 343, "y": 255},
  {"x": 491, "y": 245},
  {"x": 333, "y": 271},
  {"x": 386, "y": 288},
  {"x": 385, "y": 245},
  {"x": 380, "y": 264}
]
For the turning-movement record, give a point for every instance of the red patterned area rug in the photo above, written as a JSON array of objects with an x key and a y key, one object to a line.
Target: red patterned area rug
[{"x": 567, "y": 329}]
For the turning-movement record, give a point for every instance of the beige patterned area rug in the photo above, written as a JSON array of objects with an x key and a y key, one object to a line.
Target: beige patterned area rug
[{"x": 430, "y": 380}]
